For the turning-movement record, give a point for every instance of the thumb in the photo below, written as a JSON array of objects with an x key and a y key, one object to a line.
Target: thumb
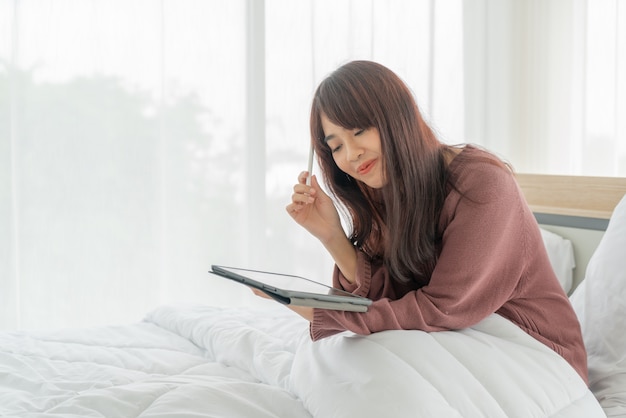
[
  {"x": 316, "y": 185},
  {"x": 314, "y": 181},
  {"x": 319, "y": 191}
]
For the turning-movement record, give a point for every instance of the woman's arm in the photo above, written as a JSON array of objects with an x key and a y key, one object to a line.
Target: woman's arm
[
  {"x": 344, "y": 254},
  {"x": 477, "y": 271},
  {"x": 315, "y": 211}
]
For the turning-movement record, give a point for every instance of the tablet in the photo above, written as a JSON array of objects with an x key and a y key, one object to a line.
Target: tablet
[{"x": 294, "y": 290}]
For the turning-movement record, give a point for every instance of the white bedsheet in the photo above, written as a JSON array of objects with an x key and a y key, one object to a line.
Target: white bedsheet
[{"x": 213, "y": 362}]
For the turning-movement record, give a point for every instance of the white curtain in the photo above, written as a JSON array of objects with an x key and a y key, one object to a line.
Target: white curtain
[
  {"x": 141, "y": 141},
  {"x": 121, "y": 177},
  {"x": 546, "y": 83},
  {"x": 132, "y": 155}
]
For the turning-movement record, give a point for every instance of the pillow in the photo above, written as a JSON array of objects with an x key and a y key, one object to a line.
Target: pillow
[
  {"x": 561, "y": 254},
  {"x": 600, "y": 303}
]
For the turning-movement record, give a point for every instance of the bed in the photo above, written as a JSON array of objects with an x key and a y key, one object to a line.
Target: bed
[
  {"x": 591, "y": 211},
  {"x": 216, "y": 362}
]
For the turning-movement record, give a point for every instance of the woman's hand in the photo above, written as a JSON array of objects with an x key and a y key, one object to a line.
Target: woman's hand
[
  {"x": 314, "y": 210},
  {"x": 304, "y": 311}
]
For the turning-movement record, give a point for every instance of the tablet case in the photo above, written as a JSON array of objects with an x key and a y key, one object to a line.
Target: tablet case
[{"x": 296, "y": 290}]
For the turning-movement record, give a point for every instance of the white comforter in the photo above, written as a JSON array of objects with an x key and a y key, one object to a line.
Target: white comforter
[{"x": 212, "y": 362}]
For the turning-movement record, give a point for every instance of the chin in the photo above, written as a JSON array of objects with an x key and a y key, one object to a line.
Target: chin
[{"x": 375, "y": 184}]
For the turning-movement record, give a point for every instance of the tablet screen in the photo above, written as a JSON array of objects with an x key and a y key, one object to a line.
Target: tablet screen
[{"x": 280, "y": 281}]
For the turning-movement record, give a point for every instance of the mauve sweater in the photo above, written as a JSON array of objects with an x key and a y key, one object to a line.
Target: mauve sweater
[{"x": 492, "y": 259}]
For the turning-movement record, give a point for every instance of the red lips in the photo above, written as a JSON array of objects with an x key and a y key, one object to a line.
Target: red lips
[{"x": 366, "y": 167}]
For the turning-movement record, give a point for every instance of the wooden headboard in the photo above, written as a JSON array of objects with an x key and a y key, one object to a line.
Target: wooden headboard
[
  {"x": 575, "y": 207},
  {"x": 591, "y": 197}
]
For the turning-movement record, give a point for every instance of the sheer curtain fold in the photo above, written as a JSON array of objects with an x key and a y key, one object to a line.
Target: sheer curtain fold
[
  {"x": 121, "y": 179},
  {"x": 547, "y": 90},
  {"x": 131, "y": 155},
  {"x": 9, "y": 211}
]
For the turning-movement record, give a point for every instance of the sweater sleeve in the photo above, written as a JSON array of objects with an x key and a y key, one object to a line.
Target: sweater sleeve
[{"x": 481, "y": 263}]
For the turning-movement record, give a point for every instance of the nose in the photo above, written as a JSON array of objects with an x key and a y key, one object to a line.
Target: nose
[{"x": 354, "y": 152}]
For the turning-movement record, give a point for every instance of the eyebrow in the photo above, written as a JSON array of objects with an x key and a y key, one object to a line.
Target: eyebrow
[{"x": 329, "y": 137}]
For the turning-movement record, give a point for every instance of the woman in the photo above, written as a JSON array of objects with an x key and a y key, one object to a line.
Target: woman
[{"x": 441, "y": 237}]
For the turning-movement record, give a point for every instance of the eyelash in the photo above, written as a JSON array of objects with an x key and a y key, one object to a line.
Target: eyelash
[{"x": 338, "y": 147}]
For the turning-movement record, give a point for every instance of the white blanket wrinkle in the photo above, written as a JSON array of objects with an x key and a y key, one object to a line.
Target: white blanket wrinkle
[{"x": 226, "y": 362}]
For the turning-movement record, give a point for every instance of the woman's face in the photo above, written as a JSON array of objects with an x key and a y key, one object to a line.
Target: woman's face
[{"x": 357, "y": 152}]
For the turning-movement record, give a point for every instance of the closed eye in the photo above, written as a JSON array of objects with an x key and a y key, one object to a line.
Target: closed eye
[
  {"x": 359, "y": 132},
  {"x": 335, "y": 149}
]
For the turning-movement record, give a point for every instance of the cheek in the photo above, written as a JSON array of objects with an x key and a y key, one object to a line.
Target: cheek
[{"x": 341, "y": 163}]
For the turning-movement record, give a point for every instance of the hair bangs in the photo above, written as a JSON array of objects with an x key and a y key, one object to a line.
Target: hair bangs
[{"x": 345, "y": 103}]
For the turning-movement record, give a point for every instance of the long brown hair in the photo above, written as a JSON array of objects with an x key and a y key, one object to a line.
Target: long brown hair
[{"x": 398, "y": 222}]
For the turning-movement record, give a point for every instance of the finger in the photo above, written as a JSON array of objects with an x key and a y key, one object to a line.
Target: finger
[
  {"x": 260, "y": 293},
  {"x": 294, "y": 208},
  {"x": 314, "y": 182},
  {"x": 315, "y": 186},
  {"x": 302, "y": 199},
  {"x": 302, "y": 177},
  {"x": 304, "y": 189}
]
